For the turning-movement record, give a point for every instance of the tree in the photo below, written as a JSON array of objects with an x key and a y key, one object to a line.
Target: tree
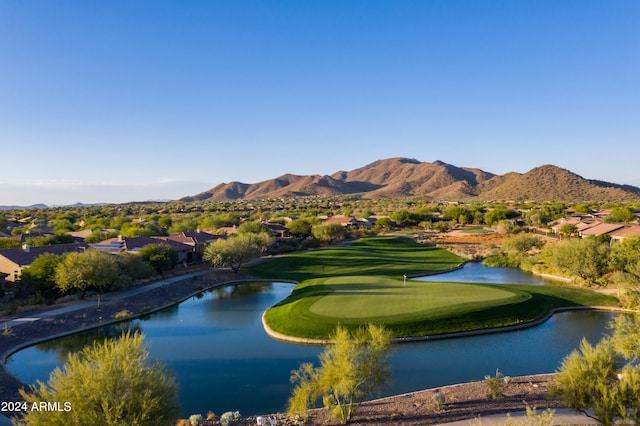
[
  {"x": 41, "y": 274},
  {"x": 254, "y": 227},
  {"x": 522, "y": 243},
  {"x": 620, "y": 214},
  {"x": 585, "y": 258},
  {"x": 625, "y": 256},
  {"x": 603, "y": 381},
  {"x": 300, "y": 228},
  {"x": 236, "y": 250},
  {"x": 133, "y": 267},
  {"x": 161, "y": 256},
  {"x": 108, "y": 383},
  {"x": 329, "y": 232},
  {"x": 91, "y": 270},
  {"x": 352, "y": 368},
  {"x": 402, "y": 217},
  {"x": 568, "y": 230},
  {"x": 496, "y": 214}
]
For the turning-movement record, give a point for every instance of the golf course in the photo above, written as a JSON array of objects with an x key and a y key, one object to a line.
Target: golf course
[{"x": 368, "y": 282}]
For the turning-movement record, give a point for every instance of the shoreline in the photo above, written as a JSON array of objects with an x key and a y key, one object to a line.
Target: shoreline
[{"x": 148, "y": 298}]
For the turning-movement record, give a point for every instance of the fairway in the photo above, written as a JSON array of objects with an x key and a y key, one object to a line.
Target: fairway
[
  {"x": 364, "y": 283},
  {"x": 369, "y": 297}
]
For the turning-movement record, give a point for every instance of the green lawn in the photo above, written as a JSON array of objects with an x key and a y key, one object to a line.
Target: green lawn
[{"x": 364, "y": 283}]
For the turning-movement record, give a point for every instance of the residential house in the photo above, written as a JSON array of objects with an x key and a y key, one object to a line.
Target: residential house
[
  {"x": 121, "y": 244},
  {"x": 346, "y": 221},
  {"x": 196, "y": 239},
  {"x": 277, "y": 230},
  {"x": 601, "y": 229},
  {"x": 14, "y": 260},
  {"x": 628, "y": 231}
]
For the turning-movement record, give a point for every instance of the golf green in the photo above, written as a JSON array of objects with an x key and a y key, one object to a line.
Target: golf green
[
  {"x": 366, "y": 297},
  {"x": 363, "y": 283}
]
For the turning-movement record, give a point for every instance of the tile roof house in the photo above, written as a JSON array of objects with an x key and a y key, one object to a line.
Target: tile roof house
[
  {"x": 197, "y": 240},
  {"x": 13, "y": 260},
  {"x": 601, "y": 229},
  {"x": 346, "y": 221},
  {"x": 277, "y": 230},
  {"x": 625, "y": 232},
  {"x": 135, "y": 244}
]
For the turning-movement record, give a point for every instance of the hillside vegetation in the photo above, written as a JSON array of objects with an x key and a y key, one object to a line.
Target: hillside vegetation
[{"x": 402, "y": 177}]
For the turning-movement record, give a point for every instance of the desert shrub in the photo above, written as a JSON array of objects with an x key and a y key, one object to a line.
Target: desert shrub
[
  {"x": 497, "y": 384},
  {"x": 195, "y": 419},
  {"x": 122, "y": 314},
  {"x": 630, "y": 298},
  {"x": 438, "y": 400},
  {"x": 228, "y": 417}
]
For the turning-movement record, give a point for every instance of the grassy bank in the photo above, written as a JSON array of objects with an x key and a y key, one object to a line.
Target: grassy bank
[{"x": 364, "y": 283}]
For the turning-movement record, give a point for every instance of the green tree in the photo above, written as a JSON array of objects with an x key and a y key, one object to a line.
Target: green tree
[
  {"x": 111, "y": 383},
  {"x": 568, "y": 230},
  {"x": 329, "y": 232},
  {"x": 603, "y": 381},
  {"x": 383, "y": 224},
  {"x": 254, "y": 227},
  {"x": 91, "y": 270},
  {"x": 522, "y": 243},
  {"x": 131, "y": 230},
  {"x": 6, "y": 242},
  {"x": 300, "y": 228},
  {"x": 41, "y": 275},
  {"x": 402, "y": 217},
  {"x": 133, "y": 267},
  {"x": 180, "y": 226},
  {"x": 495, "y": 215},
  {"x": 235, "y": 251},
  {"x": 351, "y": 369},
  {"x": 161, "y": 256},
  {"x": 620, "y": 214},
  {"x": 586, "y": 258},
  {"x": 625, "y": 256}
]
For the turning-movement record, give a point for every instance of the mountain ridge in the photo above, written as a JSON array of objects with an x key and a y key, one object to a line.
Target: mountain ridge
[{"x": 401, "y": 177}]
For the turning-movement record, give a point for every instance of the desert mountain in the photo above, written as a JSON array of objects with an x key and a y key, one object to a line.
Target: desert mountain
[{"x": 403, "y": 177}]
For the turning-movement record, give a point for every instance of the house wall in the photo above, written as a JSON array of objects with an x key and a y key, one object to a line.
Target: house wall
[{"x": 10, "y": 268}]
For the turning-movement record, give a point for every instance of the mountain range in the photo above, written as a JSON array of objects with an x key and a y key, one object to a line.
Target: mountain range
[{"x": 404, "y": 177}]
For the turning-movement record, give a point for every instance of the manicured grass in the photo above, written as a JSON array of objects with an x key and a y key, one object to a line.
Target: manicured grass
[
  {"x": 390, "y": 257},
  {"x": 363, "y": 283}
]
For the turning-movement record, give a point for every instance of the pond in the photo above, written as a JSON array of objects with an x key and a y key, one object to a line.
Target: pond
[
  {"x": 475, "y": 272},
  {"x": 224, "y": 361}
]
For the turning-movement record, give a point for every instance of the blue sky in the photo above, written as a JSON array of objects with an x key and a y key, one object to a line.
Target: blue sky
[{"x": 115, "y": 101}]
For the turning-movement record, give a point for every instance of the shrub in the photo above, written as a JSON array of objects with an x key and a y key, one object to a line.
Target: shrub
[
  {"x": 195, "y": 419},
  {"x": 228, "y": 417},
  {"x": 122, "y": 314},
  {"x": 211, "y": 415},
  {"x": 497, "y": 385},
  {"x": 438, "y": 400},
  {"x": 630, "y": 298},
  {"x": 7, "y": 331}
]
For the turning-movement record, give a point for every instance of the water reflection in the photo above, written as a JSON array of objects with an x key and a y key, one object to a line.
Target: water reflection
[{"x": 76, "y": 342}]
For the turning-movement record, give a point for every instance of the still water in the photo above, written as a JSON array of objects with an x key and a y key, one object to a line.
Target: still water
[{"x": 224, "y": 361}]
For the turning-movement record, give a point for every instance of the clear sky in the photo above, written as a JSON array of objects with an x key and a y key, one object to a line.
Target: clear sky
[{"x": 116, "y": 101}]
